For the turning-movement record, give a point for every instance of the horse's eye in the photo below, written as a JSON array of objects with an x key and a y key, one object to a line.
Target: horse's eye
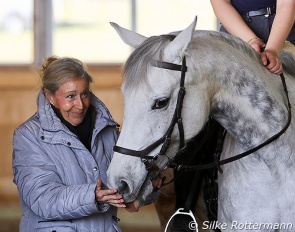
[{"x": 160, "y": 103}]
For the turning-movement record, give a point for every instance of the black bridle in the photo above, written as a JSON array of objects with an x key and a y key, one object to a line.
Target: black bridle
[{"x": 177, "y": 119}]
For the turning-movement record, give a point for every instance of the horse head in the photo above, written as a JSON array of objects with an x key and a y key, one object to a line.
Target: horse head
[{"x": 154, "y": 77}]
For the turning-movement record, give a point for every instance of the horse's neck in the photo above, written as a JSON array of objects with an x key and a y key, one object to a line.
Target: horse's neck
[{"x": 250, "y": 109}]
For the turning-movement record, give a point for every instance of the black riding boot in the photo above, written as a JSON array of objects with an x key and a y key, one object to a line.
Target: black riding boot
[
  {"x": 182, "y": 185},
  {"x": 186, "y": 185}
]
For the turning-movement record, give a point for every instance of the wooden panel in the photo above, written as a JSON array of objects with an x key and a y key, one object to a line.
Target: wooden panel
[{"x": 104, "y": 76}]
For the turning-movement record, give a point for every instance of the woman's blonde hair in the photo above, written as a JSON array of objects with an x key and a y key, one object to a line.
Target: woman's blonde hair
[{"x": 55, "y": 71}]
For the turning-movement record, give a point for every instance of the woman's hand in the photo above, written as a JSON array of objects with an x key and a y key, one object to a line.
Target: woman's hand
[{"x": 108, "y": 196}]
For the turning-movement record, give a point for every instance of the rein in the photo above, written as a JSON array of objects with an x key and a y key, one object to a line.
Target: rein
[{"x": 165, "y": 140}]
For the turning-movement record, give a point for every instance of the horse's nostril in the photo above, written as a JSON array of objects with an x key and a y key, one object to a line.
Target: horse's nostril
[{"x": 123, "y": 187}]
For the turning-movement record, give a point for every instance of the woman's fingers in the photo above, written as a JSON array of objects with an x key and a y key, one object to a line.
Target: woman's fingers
[{"x": 109, "y": 196}]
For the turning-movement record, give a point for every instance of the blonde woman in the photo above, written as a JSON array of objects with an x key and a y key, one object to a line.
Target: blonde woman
[{"x": 61, "y": 155}]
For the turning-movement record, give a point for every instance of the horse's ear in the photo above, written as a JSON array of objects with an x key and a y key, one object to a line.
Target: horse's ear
[
  {"x": 129, "y": 37},
  {"x": 177, "y": 47}
]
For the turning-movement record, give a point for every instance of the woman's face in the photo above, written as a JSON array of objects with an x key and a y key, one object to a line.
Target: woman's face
[{"x": 72, "y": 100}]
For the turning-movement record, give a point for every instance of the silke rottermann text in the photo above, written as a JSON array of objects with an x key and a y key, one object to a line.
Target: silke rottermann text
[{"x": 235, "y": 225}]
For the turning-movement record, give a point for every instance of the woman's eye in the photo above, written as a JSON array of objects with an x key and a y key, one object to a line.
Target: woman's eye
[
  {"x": 160, "y": 103},
  {"x": 85, "y": 94},
  {"x": 71, "y": 96}
]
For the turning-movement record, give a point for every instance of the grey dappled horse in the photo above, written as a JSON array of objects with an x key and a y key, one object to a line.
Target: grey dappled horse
[{"x": 224, "y": 80}]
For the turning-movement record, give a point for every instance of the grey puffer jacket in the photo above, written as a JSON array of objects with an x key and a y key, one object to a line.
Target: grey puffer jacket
[{"x": 56, "y": 175}]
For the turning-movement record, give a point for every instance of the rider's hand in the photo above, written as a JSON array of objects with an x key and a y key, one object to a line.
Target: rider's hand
[
  {"x": 257, "y": 44},
  {"x": 108, "y": 196},
  {"x": 269, "y": 58},
  {"x": 271, "y": 61}
]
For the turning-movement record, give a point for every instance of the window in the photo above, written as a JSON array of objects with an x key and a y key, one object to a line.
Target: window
[
  {"x": 80, "y": 28},
  {"x": 158, "y": 17},
  {"x": 16, "y": 31}
]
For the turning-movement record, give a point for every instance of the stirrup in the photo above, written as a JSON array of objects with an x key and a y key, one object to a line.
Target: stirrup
[{"x": 193, "y": 225}]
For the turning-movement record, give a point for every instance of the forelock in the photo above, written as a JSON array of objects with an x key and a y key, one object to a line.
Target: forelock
[{"x": 135, "y": 68}]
